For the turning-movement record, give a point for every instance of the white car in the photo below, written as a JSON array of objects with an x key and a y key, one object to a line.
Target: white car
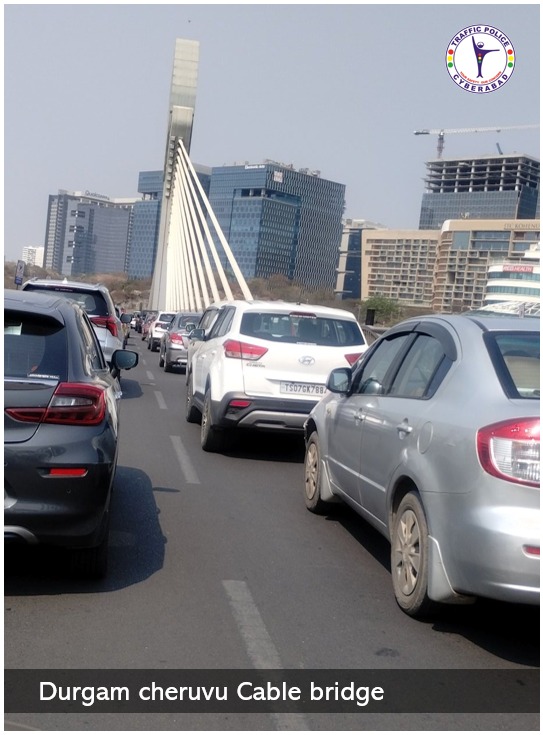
[
  {"x": 263, "y": 365},
  {"x": 96, "y": 300},
  {"x": 157, "y": 329}
]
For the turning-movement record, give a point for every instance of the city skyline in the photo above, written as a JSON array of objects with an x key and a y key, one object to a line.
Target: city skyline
[{"x": 307, "y": 85}]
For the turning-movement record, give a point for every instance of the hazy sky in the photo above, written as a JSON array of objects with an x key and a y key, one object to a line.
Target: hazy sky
[{"x": 338, "y": 88}]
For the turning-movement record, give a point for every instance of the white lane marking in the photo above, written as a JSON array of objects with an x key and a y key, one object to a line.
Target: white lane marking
[
  {"x": 160, "y": 399},
  {"x": 187, "y": 468},
  {"x": 259, "y": 645},
  {"x": 150, "y": 375}
]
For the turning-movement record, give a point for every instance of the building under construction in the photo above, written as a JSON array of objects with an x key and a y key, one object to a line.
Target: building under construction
[{"x": 487, "y": 187}]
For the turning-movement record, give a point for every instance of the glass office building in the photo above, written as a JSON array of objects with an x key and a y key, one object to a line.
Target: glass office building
[
  {"x": 349, "y": 271},
  {"x": 143, "y": 243},
  {"x": 146, "y": 220},
  {"x": 87, "y": 233},
  {"x": 278, "y": 220},
  {"x": 490, "y": 187}
]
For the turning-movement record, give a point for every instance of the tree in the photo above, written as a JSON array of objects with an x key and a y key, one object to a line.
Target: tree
[{"x": 387, "y": 311}]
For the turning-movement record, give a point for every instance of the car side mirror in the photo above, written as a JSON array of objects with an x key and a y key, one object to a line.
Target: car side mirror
[
  {"x": 124, "y": 359},
  {"x": 339, "y": 380},
  {"x": 126, "y": 318},
  {"x": 189, "y": 328}
]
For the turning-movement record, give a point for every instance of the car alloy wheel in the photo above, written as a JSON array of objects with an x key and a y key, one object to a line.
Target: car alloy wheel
[
  {"x": 409, "y": 556},
  {"x": 192, "y": 414},
  {"x": 211, "y": 438},
  {"x": 312, "y": 477}
]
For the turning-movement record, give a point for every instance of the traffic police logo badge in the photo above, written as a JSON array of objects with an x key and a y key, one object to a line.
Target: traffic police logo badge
[{"x": 480, "y": 59}]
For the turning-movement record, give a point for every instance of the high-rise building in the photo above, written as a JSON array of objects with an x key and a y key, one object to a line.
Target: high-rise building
[
  {"x": 278, "y": 220},
  {"x": 399, "y": 265},
  {"x": 146, "y": 220},
  {"x": 87, "y": 233},
  {"x": 145, "y": 225},
  {"x": 466, "y": 254},
  {"x": 455, "y": 268},
  {"x": 33, "y": 256},
  {"x": 349, "y": 270},
  {"x": 516, "y": 279},
  {"x": 489, "y": 187}
]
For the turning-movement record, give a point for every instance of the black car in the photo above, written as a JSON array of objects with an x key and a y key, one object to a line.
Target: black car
[{"x": 61, "y": 422}]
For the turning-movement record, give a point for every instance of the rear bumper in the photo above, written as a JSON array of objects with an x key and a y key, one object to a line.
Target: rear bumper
[
  {"x": 267, "y": 414},
  {"x": 498, "y": 556},
  {"x": 62, "y": 511},
  {"x": 176, "y": 355}
]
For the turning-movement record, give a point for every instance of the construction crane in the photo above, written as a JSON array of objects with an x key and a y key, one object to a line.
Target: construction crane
[{"x": 441, "y": 133}]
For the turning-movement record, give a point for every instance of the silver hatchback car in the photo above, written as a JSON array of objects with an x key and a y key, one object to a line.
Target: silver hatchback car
[{"x": 433, "y": 438}]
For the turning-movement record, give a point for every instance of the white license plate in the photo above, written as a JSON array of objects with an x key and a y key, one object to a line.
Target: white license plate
[{"x": 308, "y": 389}]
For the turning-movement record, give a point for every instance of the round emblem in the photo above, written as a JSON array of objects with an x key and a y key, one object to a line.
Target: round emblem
[
  {"x": 307, "y": 360},
  {"x": 480, "y": 59}
]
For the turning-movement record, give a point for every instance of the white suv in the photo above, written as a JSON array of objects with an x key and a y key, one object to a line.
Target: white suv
[
  {"x": 96, "y": 300},
  {"x": 264, "y": 364}
]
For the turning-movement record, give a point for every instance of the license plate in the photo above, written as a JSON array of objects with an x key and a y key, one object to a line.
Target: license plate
[{"x": 309, "y": 389}]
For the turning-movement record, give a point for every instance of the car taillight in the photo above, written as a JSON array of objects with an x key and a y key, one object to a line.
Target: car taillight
[
  {"x": 510, "y": 450},
  {"x": 76, "y": 404},
  {"x": 106, "y": 321},
  {"x": 67, "y": 472},
  {"x": 177, "y": 339},
  {"x": 352, "y": 358},
  {"x": 243, "y": 350}
]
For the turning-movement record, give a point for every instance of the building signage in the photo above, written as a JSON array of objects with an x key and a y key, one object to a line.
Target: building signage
[
  {"x": 95, "y": 195},
  {"x": 256, "y": 165},
  {"x": 522, "y": 225},
  {"x": 518, "y": 269}
]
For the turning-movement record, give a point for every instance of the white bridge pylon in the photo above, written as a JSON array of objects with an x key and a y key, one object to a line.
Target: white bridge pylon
[{"x": 188, "y": 269}]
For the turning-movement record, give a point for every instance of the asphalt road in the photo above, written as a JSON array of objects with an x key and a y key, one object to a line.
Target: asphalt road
[{"x": 216, "y": 564}]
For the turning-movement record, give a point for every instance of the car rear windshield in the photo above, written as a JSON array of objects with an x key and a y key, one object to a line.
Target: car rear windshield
[
  {"x": 516, "y": 356},
  {"x": 34, "y": 347},
  {"x": 297, "y": 328},
  {"x": 191, "y": 319},
  {"x": 165, "y": 318},
  {"x": 92, "y": 301}
]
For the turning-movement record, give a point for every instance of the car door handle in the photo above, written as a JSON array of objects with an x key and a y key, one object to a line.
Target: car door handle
[
  {"x": 359, "y": 416},
  {"x": 404, "y": 427}
]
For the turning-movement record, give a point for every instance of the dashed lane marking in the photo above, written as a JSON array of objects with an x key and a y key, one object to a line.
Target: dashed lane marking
[
  {"x": 187, "y": 468},
  {"x": 260, "y": 647}
]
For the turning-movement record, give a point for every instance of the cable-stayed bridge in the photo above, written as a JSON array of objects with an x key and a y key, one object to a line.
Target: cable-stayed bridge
[{"x": 188, "y": 273}]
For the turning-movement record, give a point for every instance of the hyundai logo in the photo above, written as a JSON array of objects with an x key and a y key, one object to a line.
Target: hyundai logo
[{"x": 307, "y": 360}]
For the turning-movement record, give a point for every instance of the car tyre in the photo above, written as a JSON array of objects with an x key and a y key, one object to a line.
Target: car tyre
[
  {"x": 409, "y": 557},
  {"x": 211, "y": 438},
  {"x": 312, "y": 477},
  {"x": 161, "y": 361},
  {"x": 192, "y": 414},
  {"x": 167, "y": 367},
  {"x": 92, "y": 563}
]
